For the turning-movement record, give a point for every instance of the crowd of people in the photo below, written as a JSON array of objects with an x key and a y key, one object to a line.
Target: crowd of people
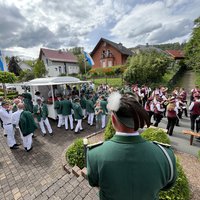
[{"x": 24, "y": 113}]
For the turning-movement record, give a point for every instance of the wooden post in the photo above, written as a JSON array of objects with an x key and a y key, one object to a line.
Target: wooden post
[
  {"x": 4, "y": 90},
  {"x": 191, "y": 139}
]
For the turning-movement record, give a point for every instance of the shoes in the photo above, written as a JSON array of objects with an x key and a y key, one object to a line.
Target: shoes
[
  {"x": 17, "y": 145},
  {"x": 51, "y": 134},
  {"x": 77, "y": 132},
  {"x": 14, "y": 147},
  {"x": 34, "y": 136},
  {"x": 29, "y": 149},
  {"x": 66, "y": 129},
  {"x": 43, "y": 134},
  {"x": 72, "y": 129},
  {"x": 5, "y": 135},
  {"x": 81, "y": 129}
]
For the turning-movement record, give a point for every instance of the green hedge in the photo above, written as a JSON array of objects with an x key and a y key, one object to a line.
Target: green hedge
[
  {"x": 109, "y": 131},
  {"x": 75, "y": 154}
]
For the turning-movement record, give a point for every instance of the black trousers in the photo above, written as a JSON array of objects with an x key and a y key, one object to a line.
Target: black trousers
[
  {"x": 193, "y": 120},
  {"x": 158, "y": 118},
  {"x": 170, "y": 124},
  {"x": 150, "y": 115}
]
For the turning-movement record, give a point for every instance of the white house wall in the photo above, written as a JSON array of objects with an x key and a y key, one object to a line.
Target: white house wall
[{"x": 57, "y": 68}]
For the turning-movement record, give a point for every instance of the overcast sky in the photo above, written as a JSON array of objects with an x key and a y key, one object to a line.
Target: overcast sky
[{"x": 27, "y": 25}]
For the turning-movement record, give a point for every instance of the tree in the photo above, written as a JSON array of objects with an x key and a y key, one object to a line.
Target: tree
[
  {"x": 192, "y": 49},
  {"x": 26, "y": 75},
  {"x": 39, "y": 69},
  {"x": 13, "y": 66},
  {"x": 146, "y": 67},
  {"x": 7, "y": 77}
]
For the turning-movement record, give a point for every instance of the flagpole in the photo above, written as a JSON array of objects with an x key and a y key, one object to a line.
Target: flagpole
[{"x": 85, "y": 65}]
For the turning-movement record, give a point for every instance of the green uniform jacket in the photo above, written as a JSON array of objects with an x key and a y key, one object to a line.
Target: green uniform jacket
[
  {"x": 57, "y": 106},
  {"x": 26, "y": 123},
  {"x": 83, "y": 102},
  {"x": 89, "y": 106},
  {"x": 103, "y": 105},
  {"x": 78, "y": 114},
  {"x": 14, "y": 108},
  {"x": 66, "y": 106},
  {"x": 28, "y": 104},
  {"x": 129, "y": 168},
  {"x": 43, "y": 112}
]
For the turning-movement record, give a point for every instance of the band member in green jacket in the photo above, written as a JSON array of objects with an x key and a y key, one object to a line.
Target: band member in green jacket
[
  {"x": 128, "y": 167},
  {"x": 27, "y": 126},
  {"x": 40, "y": 111},
  {"x": 66, "y": 107},
  {"x": 83, "y": 104},
  {"x": 78, "y": 115},
  {"x": 57, "y": 106},
  {"x": 90, "y": 110},
  {"x": 103, "y": 105}
]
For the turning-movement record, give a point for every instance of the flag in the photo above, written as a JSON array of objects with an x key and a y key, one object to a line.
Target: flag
[
  {"x": 88, "y": 58},
  {"x": 2, "y": 62}
]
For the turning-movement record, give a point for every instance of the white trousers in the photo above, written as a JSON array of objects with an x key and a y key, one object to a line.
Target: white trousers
[
  {"x": 9, "y": 130},
  {"x": 84, "y": 113},
  {"x": 90, "y": 118},
  {"x": 70, "y": 121},
  {"x": 60, "y": 120},
  {"x": 103, "y": 121},
  {"x": 78, "y": 125},
  {"x": 27, "y": 140},
  {"x": 46, "y": 122}
]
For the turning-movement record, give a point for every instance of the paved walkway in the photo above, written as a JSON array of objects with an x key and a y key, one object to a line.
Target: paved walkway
[{"x": 39, "y": 172}]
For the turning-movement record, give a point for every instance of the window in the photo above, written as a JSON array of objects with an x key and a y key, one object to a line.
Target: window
[
  {"x": 56, "y": 69},
  {"x": 110, "y": 63},
  {"x": 103, "y": 54},
  {"x": 60, "y": 69},
  {"x": 103, "y": 64},
  {"x": 47, "y": 61}
]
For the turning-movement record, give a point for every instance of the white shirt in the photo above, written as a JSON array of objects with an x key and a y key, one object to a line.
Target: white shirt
[
  {"x": 15, "y": 117},
  {"x": 5, "y": 116},
  {"x": 192, "y": 104},
  {"x": 127, "y": 134}
]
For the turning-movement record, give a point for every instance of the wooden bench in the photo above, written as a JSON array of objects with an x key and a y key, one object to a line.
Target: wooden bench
[{"x": 192, "y": 134}]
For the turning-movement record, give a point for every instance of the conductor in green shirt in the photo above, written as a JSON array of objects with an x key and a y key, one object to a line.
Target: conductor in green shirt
[{"x": 127, "y": 167}]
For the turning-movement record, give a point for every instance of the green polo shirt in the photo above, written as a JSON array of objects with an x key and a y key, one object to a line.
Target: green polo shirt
[{"x": 129, "y": 168}]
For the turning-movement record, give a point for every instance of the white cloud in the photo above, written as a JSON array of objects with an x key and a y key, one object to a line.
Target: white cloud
[
  {"x": 29, "y": 24},
  {"x": 157, "y": 22}
]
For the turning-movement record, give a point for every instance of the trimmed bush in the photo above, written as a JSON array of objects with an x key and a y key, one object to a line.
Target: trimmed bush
[
  {"x": 75, "y": 154},
  {"x": 156, "y": 134},
  {"x": 109, "y": 131}
]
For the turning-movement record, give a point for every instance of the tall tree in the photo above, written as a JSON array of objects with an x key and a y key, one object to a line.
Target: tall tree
[
  {"x": 39, "y": 69},
  {"x": 146, "y": 67},
  {"x": 7, "y": 77},
  {"x": 13, "y": 66},
  {"x": 192, "y": 49}
]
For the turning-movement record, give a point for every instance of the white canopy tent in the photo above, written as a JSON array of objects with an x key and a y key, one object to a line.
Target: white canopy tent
[{"x": 41, "y": 85}]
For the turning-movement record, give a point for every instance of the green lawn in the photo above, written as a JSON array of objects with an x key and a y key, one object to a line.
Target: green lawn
[
  {"x": 197, "y": 78},
  {"x": 115, "y": 82}
]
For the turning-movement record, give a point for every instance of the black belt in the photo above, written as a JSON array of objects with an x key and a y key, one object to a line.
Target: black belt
[{"x": 8, "y": 124}]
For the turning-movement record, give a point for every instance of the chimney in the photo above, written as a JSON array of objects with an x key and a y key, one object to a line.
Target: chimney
[{"x": 120, "y": 45}]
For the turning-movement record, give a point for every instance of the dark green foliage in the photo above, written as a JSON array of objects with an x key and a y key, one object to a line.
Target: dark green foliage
[
  {"x": 39, "y": 69},
  {"x": 13, "y": 66},
  {"x": 170, "y": 46},
  {"x": 192, "y": 49},
  {"x": 26, "y": 75},
  {"x": 146, "y": 67},
  {"x": 7, "y": 77},
  {"x": 109, "y": 131},
  {"x": 75, "y": 154}
]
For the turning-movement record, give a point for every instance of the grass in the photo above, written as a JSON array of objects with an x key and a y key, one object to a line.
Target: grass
[
  {"x": 114, "y": 82},
  {"x": 197, "y": 78}
]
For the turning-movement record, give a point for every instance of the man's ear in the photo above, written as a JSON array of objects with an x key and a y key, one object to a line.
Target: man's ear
[{"x": 114, "y": 121}]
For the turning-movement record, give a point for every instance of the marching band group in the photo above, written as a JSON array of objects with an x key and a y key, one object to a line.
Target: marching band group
[{"x": 22, "y": 113}]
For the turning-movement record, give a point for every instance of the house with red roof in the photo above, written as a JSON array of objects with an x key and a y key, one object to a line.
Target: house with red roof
[
  {"x": 175, "y": 54},
  {"x": 59, "y": 62},
  {"x": 107, "y": 53}
]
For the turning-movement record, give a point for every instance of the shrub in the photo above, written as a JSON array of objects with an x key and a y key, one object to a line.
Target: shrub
[
  {"x": 75, "y": 154},
  {"x": 156, "y": 134},
  {"x": 198, "y": 155},
  {"x": 109, "y": 131}
]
